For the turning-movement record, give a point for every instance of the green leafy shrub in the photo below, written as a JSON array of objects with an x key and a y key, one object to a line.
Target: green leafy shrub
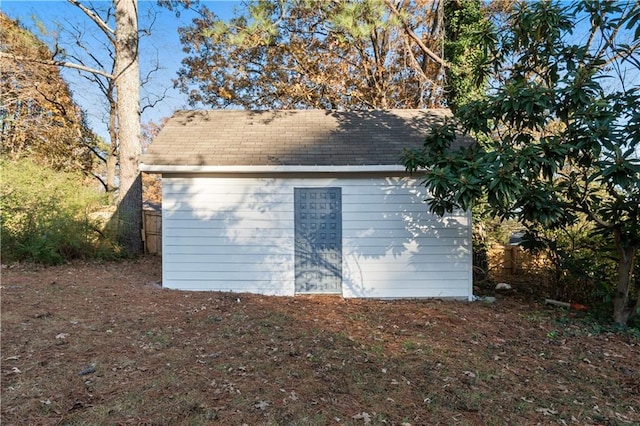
[
  {"x": 586, "y": 267},
  {"x": 581, "y": 265},
  {"x": 46, "y": 216}
]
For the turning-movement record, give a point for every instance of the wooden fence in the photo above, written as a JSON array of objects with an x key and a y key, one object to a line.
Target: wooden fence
[
  {"x": 152, "y": 231},
  {"x": 510, "y": 260}
]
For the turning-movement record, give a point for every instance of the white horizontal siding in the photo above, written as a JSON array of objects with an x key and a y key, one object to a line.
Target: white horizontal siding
[
  {"x": 267, "y": 287},
  {"x": 227, "y": 235},
  {"x": 237, "y": 234},
  {"x": 393, "y": 247},
  {"x": 445, "y": 290}
]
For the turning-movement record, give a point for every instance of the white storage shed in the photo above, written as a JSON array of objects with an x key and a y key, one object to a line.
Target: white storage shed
[{"x": 304, "y": 202}]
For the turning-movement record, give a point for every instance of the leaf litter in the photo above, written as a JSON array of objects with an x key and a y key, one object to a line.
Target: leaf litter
[{"x": 171, "y": 357}]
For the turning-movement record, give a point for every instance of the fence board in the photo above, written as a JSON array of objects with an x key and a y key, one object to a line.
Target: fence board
[{"x": 152, "y": 231}]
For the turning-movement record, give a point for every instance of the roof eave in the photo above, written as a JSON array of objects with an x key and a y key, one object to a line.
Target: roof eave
[{"x": 159, "y": 168}]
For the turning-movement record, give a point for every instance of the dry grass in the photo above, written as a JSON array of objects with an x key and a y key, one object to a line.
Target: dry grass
[{"x": 94, "y": 343}]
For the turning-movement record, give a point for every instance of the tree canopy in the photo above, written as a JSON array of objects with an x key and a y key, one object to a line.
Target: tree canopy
[
  {"x": 40, "y": 120},
  {"x": 316, "y": 54},
  {"x": 558, "y": 134}
]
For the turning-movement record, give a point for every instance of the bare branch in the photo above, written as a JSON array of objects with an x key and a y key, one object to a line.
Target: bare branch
[
  {"x": 96, "y": 152},
  {"x": 151, "y": 104},
  {"x": 95, "y": 18},
  {"x": 61, "y": 108},
  {"x": 79, "y": 43},
  {"x": 415, "y": 37},
  {"x": 57, "y": 63},
  {"x": 102, "y": 182},
  {"x": 147, "y": 78}
]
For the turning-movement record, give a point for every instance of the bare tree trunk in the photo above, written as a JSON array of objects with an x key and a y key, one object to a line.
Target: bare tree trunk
[
  {"x": 112, "y": 155},
  {"x": 128, "y": 97},
  {"x": 627, "y": 255}
]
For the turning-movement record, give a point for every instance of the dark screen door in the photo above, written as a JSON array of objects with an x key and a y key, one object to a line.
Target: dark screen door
[{"x": 318, "y": 240}]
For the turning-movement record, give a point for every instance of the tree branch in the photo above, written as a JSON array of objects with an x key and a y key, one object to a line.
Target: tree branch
[
  {"x": 95, "y": 18},
  {"x": 151, "y": 104},
  {"x": 57, "y": 63},
  {"x": 96, "y": 152},
  {"x": 99, "y": 179},
  {"x": 415, "y": 37}
]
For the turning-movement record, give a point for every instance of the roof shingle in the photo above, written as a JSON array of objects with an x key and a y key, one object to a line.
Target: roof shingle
[{"x": 291, "y": 137}]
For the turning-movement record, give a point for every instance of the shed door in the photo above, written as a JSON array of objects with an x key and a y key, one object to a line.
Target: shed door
[{"x": 318, "y": 240}]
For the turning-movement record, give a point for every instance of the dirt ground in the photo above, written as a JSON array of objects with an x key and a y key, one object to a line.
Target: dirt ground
[{"x": 91, "y": 343}]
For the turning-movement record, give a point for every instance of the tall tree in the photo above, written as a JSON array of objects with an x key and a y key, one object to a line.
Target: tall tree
[
  {"x": 125, "y": 79},
  {"x": 559, "y": 134},
  {"x": 39, "y": 117},
  {"x": 97, "y": 51},
  {"x": 316, "y": 54}
]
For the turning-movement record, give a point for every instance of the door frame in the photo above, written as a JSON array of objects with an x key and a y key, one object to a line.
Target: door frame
[{"x": 315, "y": 253}]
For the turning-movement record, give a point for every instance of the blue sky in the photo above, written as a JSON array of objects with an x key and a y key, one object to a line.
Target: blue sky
[{"x": 163, "y": 44}]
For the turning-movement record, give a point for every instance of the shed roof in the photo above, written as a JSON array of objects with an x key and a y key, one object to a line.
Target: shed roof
[{"x": 290, "y": 137}]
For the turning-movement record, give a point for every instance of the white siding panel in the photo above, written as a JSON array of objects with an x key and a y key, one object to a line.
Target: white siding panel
[
  {"x": 393, "y": 247},
  {"x": 199, "y": 244},
  {"x": 236, "y": 234},
  {"x": 227, "y": 276},
  {"x": 419, "y": 242},
  {"x": 446, "y": 290},
  {"x": 208, "y": 259},
  {"x": 228, "y": 235},
  {"x": 267, "y": 287},
  {"x": 222, "y": 237}
]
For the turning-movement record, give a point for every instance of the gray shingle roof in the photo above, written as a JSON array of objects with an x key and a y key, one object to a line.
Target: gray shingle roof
[{"x": 290, "y": 137}]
